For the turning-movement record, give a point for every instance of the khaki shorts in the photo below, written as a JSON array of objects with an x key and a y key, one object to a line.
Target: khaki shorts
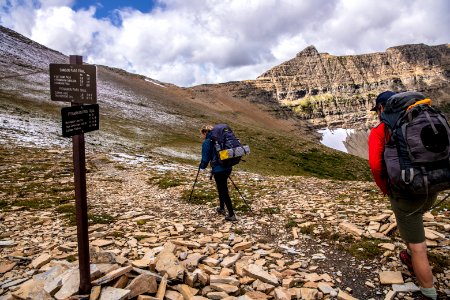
[{"x": 409, "y": 212}]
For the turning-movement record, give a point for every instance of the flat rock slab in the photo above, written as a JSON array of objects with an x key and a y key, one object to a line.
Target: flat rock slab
[
  {"x": 351, "y": 228},
  {"x": 143, "y": 218},
  {"x": 6, "y": 266},
  {"x": 407, "y": 287},
  {"x": 41, "y": 260},
  {"x": 110, "y": 293},
  {"x": 387, "y": 246},
  {"x": 32, "y": 289},
  {"x": 112, "y": 275},
  {"x": 7, "y": 243},
  {"x": 391, "y": 277},
  {"x": 102, "y": 243},
  {"x": 345, "y": 296},
  {"x": 242, "y": 246},
  {"x": 325, "y": 288},
  {"x": 223, "y": 287},
  {"x": 168, "y": 263},
  {"x": 144, "y": 283},
  {"x": 257, "y": 272},
  {"x": 70, "y": 284},
  {"x": 230, "y": 260},
  {"x": 309, "y": 294},
  {"x": 13, "y": 283}
]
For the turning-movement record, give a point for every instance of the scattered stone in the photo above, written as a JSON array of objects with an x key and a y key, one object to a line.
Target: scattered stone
[
  {"x": 257, "y": 272},
  {"x": 7, "y": 243},
  {"x": 344, "y": 296},
  {"x": 388, "y": 246},
  {"x": 406, "y": 287},
  {"x": 308, "y": 294},
  {"x": 112, "y": 275},
  {"x": 95, "y": 292},
  {"x": 223, "y": 287},
  {"x": 6, "y": 266},
  {"x": 173, "y": 295},
  {"x": 102, "y": 243},
  {"x": 41, "y": 260},
  {"x": 32, "y": 289},
  {"x": 142, "y": 284},
  {"x": 282, "y": 294},
  {"x": 351, "y": 228},
  {"x": 168, "y": 263},
  {"x": 325, "y": 288},
  {"x": 230, "y": 260}
]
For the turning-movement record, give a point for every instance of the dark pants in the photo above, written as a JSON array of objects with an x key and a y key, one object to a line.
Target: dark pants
[{"x": 221, "y": 179}]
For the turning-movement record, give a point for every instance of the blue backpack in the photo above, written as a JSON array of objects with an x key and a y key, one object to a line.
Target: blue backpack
[
  {"x": 417, "y": 148},
  {"x": 228, "y": 148}
]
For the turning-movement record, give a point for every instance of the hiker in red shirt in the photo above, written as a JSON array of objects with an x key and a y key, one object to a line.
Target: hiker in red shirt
[
  {"x": 376, "y": 145},
  {"x": 409, "y": 219}
]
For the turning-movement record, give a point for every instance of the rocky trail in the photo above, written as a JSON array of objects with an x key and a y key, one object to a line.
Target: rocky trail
[{"x": 307, "y": 238}]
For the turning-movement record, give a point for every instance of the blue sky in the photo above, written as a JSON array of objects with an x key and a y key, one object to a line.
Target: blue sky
[
  {"x": 106, "y": 8},
  {"x": 190, "y": 42}
]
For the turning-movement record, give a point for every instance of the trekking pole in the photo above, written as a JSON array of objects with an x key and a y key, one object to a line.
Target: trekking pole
[
  {"x": 196, "y": 177},
  {"x": 436, "y": 205},
  {"x": 241, "y": 195}
]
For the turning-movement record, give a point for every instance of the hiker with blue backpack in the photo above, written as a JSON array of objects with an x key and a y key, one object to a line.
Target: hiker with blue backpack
[
  {"x": 219, "y": 172},
  {"x": 223, "y": 150},
  {"x": 409, "y": 155}
]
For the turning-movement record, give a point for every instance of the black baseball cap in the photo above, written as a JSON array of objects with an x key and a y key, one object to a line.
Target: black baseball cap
[{"x": 382, "y": 99}]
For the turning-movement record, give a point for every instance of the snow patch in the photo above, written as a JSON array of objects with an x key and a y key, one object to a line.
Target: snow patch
[
  {"x": 176, "y": 153},
  {"x": 154, "y": 82},
  {"x": 334, "y": 138}
]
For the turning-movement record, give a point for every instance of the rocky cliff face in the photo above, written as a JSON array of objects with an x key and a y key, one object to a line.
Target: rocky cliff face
[{"x": 339, "y": 91}]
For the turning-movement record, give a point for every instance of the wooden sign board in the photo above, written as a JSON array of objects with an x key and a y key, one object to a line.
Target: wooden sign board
[
  {"x": 73, "y": 83},
  {"x": 79, "y": 119}
]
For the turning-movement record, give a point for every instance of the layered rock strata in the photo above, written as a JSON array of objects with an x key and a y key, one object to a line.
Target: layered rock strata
[{"x": 340, "y": 90}]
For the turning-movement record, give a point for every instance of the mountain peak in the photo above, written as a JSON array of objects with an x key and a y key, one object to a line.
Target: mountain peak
[{"x": 308, "y": 51}]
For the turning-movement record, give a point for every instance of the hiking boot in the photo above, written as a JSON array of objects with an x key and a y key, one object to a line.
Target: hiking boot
[
  {"x": 406, "y": 259},
  {"x": 221, "y": 211},
  {"x": 231, "y": 218}
]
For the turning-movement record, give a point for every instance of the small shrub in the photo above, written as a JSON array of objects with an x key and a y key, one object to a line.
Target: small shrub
[
  {"x": 439, "y": 262},
  {"x": 200, "y": 196},
  {"x": 238, "y": 231},
  {"x": 168, "y": 182},
  {"x": 290, "y": 224},
  {"x": 271, "y": 210},
  {"x": 364, "y": 249},
  {"x": 307, "y": 229},
  {"x": 100, "y": 219},
  {"x": 3, "y": 204}
]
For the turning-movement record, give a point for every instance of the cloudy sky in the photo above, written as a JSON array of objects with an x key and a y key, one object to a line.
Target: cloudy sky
[{"x": 189, "y": 42}]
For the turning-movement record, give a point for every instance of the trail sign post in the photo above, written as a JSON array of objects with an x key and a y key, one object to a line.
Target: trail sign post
[{"x": 76, "y": 83}]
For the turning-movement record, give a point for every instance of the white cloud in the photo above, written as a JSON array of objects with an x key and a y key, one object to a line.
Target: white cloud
[{"x": 204, "y": 41}]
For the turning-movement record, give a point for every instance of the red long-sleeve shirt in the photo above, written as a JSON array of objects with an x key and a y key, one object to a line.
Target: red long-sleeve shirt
[{"x": 376, "y": 150}]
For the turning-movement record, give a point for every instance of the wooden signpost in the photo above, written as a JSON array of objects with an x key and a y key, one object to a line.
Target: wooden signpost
[{"x": 76, "y": 83}]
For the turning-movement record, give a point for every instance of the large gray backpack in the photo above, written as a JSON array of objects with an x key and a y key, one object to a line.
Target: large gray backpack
[{"x": 417, "y": 150}]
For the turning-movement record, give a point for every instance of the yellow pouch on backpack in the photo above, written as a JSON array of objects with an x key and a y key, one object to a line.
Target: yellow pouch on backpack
[{"x": 224, "y": 154}]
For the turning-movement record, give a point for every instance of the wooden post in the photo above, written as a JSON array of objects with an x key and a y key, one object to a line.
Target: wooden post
[{"x": 79, "y": 164}]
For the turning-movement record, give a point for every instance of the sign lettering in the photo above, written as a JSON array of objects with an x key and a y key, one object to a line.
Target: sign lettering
[
  {"x": 79, "y": 119},
  {"x": 73, "y": 83}
]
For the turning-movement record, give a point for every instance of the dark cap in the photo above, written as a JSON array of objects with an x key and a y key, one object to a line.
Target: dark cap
[{"x": 382, "y": 99}]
